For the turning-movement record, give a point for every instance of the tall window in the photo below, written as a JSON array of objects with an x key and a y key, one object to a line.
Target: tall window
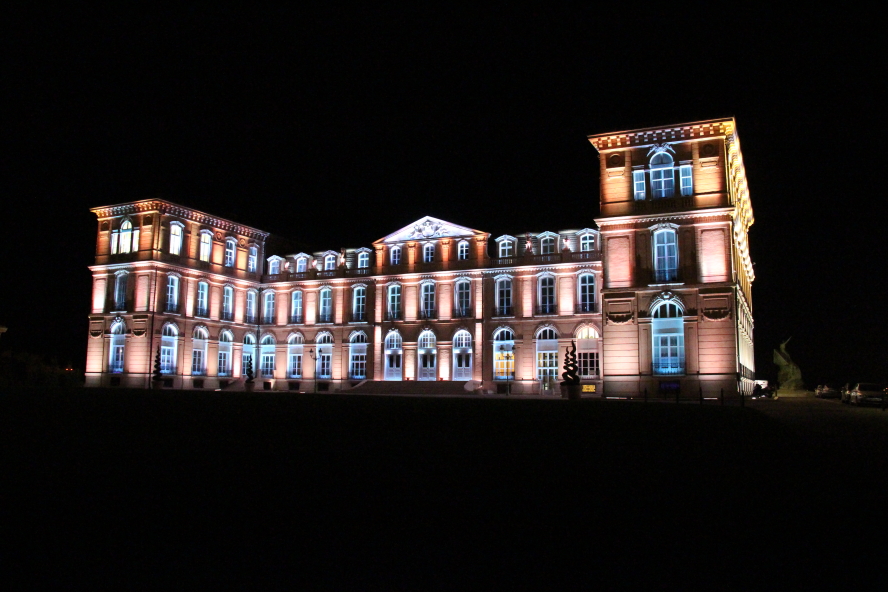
[
  {"x": 302, "y": 265},
  {"x": 227, "y": 303},
  {"x": 175, "y": 238},
  {"x": 505, "y": 248},
  {"x": 687, "y": 180},
  {"x": 126, "y": 239},
  {"x": 230, "y": 250},
  {"x": 587, "y": 242},
  {"x": 586, "y": 293},
  {"x": 268, "y": 308},
  {"x": 462, "y": 355},
  {"x": 396, "y": 256},
  {"x": 206, "y": 245},
  {"x": 587, "y": 340},
  {"x": 325, "y": 306},
  {"x": 363, "y": 260},
  {"x": 428, "y": 253},
  {"x": 169, "y": 339},
  {"x": 199, "y": 351},
  {"x": 547, "y": 245},
  {"x": 225, "y": 340},
  {"x": 546, "y": 295},
  {"x": 248, "y": 355},
  {"x": 427, "y": 354},
  {"x": 266, "y": 359},
  {"x": 252, "y": 259},
  {"x": 120, "y": 281},
  {"x": 274, "y": 266},
  {"x": 330, "y": 262},
  {"x": 118, "y": 343},
  {"x": 503, "y": 354},
  {"x": 393, "y": 353},
  {"x": 359, "y": 304},
  {"x": 203, "y": 295},
  {"x": 250, "y": 312},
  {"x": 638, "y": 185},
  {"x": 357, "y": 356},
  {"x": 296, "y": 306},
  {"x": 325, "y": 355},
  {"x": 503, "y": 297},
  {"x": 172, "y": 294},
  {"x": 662, "y": 176},
  {"x": 294, "y": 354},
  {"x": 462, "y": 299},
  {"x": 668, "y": 339},
  {"x": 462, "y": 251},
  {"x": 393, "y": 312},
  {"x": 547, "y": 358},
  {"x": 665, "y": 255},
  {"x": 427, "y": 301}
]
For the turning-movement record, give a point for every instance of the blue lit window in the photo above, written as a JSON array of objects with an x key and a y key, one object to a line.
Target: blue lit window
[
  {"x": 662, "y": 176},
  {"x": 665, "y": 255},
  {"x": 638, "y": 184},
  {"x": 687, "y": 180},
  {"x": 668, "y": 339}
]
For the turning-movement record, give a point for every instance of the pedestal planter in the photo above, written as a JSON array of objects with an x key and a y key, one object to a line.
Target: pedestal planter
[{"x": 248, "y": 386}]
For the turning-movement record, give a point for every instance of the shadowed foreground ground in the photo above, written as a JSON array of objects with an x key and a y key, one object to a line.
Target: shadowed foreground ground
[{"x": 127, "y": 487}]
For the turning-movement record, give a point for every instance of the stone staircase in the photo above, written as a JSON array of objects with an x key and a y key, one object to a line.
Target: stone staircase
[{"x": 409, "y": 387}]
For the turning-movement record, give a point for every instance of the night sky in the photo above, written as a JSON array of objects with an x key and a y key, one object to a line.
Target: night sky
[{"x": 335, "y": 130}]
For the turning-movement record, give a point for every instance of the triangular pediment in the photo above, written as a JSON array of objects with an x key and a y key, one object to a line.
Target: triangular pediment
[{"x": 429, "y": 227}]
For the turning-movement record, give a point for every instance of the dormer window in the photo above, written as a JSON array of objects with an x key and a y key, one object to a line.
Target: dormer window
[
  {"x": 587, "y": 242},
  {"x": 301, "y": 264},
  {"x": 274, "y": 266},
  {"x": 330, "y": 262},
  {"x": 547, "y": 245},
  {"x": 506, "y": 248},
  {"x": 396, "y": 256},
  {"x": 428, "y": 253},
  {"x": 363, "y": 260},
  {"x": 462, "y": 251}
]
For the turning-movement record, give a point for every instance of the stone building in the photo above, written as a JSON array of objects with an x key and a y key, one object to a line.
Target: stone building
[{"x": 667, "y": 262}]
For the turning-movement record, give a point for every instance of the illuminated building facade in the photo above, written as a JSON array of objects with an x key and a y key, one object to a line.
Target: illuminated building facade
[{"x": 199, "y": 298}]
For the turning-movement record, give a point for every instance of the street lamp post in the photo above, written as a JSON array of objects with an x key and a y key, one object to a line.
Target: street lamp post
[{"x": 314, "y": 358}]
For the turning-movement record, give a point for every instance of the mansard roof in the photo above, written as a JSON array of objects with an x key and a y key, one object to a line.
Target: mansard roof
[{"x": 429, "y": 227}]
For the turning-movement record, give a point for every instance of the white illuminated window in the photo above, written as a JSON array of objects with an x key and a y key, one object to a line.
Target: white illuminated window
[
  {"x": 547, "y": 358},
  {"x": 462, "y": 355},
  {"x": 463, "y": 299},
  {"x": 546, "y": 295},
  {"x": 665, "y": 255},
  {"x": 301, "y": 264},
  {"x": 125, "y": 240},
  {"x": 587, "y": 242},
  {"x": 199, "y": 351},
  {"x": 172, "y": 295},
  {"x": 427, "y": 356},
  {"x": 503, "y": 355},
  {"x": 687, "y": 180},
  {"x": 357, "y": 356},
  {"x": 428, "y": 253},
  {"x": 667, "y": 331},
  {"x": 251, "y": 307},
  {"x": 268, "y": 308},
  {"x": 230, "y": 250},
  {"x": 330, "y": 262},
  {"x": 294, "y": 353},
  {"x": 586, "y": 295},
  {"x": 505, "y": 248},
  {"x": 393, "y": 353},
  {"x": 266, "y": 356},
  {"x": 396, "y": 256},
  {"x": 168, "y": 346},
  {"x": 427, "y": 301},
  {"x": 118, "y": 344},
  {"x": 175, "y": 238},
  {"x": 462, "y": 251},
  {"x": 296, "y": 307},
  {"x": 247, "y": 356},
  {"x": 227, "y": 303},
  {"x": 504, "y": 297},
  {"x": 547, "y": 245},
  {"x": 252, "y": 259},
  {"x": 274, "y": 266},
  {"x": 203, "y": 294},
  {"x": 589, "y": 364},
  {"x": 394, "y": 302},
  {"x": 206, "y": 245},
  {"x": 363, "y": 260},
  {"x": 662, "y": 176},
  {"x": 325, "y": 355},
  {"x": 638, "y": 185},
  {"x": 325, "y": 306},
  {"x": 225, "y": 340},
  {"x": 359, "y": 303}
]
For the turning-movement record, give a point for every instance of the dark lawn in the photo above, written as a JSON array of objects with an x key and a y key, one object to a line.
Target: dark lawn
[{"x": 350, "y": 491}]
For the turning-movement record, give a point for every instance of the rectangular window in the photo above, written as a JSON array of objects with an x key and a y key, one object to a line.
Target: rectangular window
[
  {"x": 663, "y": 182},
  {"x": 205, "y": 246},
  {"x": 197, "y": 362},
  {"x": 202, "y": 293},
  {"x": 665, "y": 256},
  {"x": 588, "y": 363},
  {"x": 267, "y": 364},
  {"x": 251, "y": 259},
  {"x": 358, "y": 366},
  {"x": 687, "y": 181},
  {"x": 503, "y": 365},
  {"x": 324, "y": 365},
  {"x": 547, "y": 368},
  {"x": 394, "y": 302},
  {"x": 166, "y": 359},
  {"x": 638, "y": 184},
  {"x": 668, "y": 355},
  {"x": 117, "y": 359},
  {"x": 229, "y": 254},
  {"x": 224, "y": 363},
  {"x": 251, "y": 307},
  {"x": 505, "y": 248},
  {"x": 296, "y": 366},
  {"x": 175, "y": 239}
]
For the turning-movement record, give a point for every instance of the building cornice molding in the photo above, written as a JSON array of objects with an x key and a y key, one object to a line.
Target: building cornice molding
[{"x": 651, "y": 136}]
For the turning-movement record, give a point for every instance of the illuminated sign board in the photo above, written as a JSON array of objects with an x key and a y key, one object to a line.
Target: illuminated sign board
[{"x": 588, "y": 388}]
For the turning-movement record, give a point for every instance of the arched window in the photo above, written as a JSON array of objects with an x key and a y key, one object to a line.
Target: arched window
[
  {"x": 203, "y": 297},
  {"x": 503, "y": 354},
  {"x": 662, "y": 175},
  {"x": 427, "y": 356},
  {"x": 546, "y": 295},
  {"x": 462, "y": 355},
  {"x": 395, "y": 256},
  {"x": 427, "y": 301},
  {"x": 172, "y": 294},
  {"x": 250, "y": 312},
  {"x": 118, "y": 344},
  {"x": 547, "y": 245},
  {"x": 225, "y": 340},
  {"x": 176, "y": 231},
  {"x": 506, "y": 248},
  {"x": 462, "y": 250},
  {"x": 268, "y": 308},
  {"x": 503, "y": 306},
  {"x": 547, "y": 358},
  {"x": 274, "y": 266},
  {"x": 199, "y": 351},
  {"x": 665, "y": 255},
  {"x": 296, "y": 307},
  {"x": 169, "y": 341},
  {"x": 120, "y": 285},
  {"x": 363, "y": 260},
  {"x": 330, "y": 262},
  {"x": 294, "y": 353},
  {"x": 587, "y": 341},
  {"x": 428, "y": 253},
  {"x": 227, "y": 303},
  {"x": 302, "y": 265},
  {"x": 393, "y": 310},
  {"x": 252, "y": 259},
  {"x": 206, "y": 245},
  {"x": 230, "y": 252},
  {"x": 325, "y": 306},
  {"x": 248, "y": 368},
  {"x": 266, "y": 356},
  {"x": 462, "y": 299},
  {"x": 125, "y": 239},
  {"x": 359, "y": 304},
  {"x": 324, "y": 367},
  {"x": 357, "y": 356},
  {"x": 393, "y": 353},
  {"x": 587, "y": 242},
  {"x": 667, "y": 331},
  {"x": 586, "y": 293}
]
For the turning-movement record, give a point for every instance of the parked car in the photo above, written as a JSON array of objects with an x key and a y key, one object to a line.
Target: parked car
[
  {"x": 827, "y": 391},
  {"x": 867, "y": 393}
]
